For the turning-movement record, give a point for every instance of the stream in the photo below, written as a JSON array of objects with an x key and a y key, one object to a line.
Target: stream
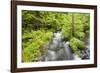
[{"x": 58, "y": 50}]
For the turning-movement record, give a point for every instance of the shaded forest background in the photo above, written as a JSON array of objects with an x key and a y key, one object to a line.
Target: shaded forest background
[{"x": 38, "y": 28}]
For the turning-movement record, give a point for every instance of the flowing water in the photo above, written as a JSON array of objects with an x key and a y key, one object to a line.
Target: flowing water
[{"x": 58, "y": 50}]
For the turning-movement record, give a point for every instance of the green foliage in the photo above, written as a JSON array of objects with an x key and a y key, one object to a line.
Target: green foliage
[
  {"x": 31, "y": 52},
  {"x": 38, "y": 28},
  {"x": 80, "y": 35},
  {"x": 32, "y": 42},
  {"x": 76, "y": 45},
  {"x": 66, "y": 32}
]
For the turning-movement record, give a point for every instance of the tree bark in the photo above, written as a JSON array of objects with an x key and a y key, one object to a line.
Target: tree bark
[{"x": 72, "y": 24}]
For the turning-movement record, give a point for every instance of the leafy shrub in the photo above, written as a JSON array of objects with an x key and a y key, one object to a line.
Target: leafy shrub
[
  {"x": 31, "y": 52},
  {"x": 76, "y": 45},
  {"x": 66, "y": 32},
  {"x": 32, "y": 46},
  {"x": 80, "y": 35}
]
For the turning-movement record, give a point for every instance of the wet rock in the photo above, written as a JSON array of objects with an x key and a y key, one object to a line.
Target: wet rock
[{"x": 85, "y": 53}]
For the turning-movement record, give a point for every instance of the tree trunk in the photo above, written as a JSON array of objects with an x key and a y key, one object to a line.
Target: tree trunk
[{"x": 72, "y": 24}]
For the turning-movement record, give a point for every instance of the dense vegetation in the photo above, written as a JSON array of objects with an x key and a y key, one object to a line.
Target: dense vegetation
[{"x": 38, "y": 28}]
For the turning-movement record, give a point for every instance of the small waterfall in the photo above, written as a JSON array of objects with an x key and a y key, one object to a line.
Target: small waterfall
[
  {"x": 58, "y": 49},
  {"x": 68, "y": 51}
]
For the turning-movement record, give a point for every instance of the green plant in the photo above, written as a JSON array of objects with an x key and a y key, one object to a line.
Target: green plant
[
  {"x": 32, "y": 42},
  {"x": 38, "y": 28},
  {"x": 80, "y": 35},
  {"x": 76, "y": 45},
  {"x": 66, "y": 32}
]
